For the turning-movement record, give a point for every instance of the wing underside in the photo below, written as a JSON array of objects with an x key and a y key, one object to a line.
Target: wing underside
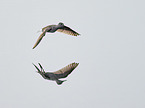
[
  {"x": 39, "y": 39},
  {"x": 64, "y": 72},
  {"x": 68, "y": 31}
]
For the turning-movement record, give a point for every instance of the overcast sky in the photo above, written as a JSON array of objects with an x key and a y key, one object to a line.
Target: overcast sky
[{"x": 110, "y": 50}]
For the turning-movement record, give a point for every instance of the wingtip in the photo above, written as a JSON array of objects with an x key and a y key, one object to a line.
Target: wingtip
[
  {"x": 36, "y": 67},
  {"x": 33, "y": 47},
  {"x": 33, "y": 63},
  {"x": 76, "y": 63},
  {"x": 77, "y": 34},
  {"x": 40, "y": 65}
]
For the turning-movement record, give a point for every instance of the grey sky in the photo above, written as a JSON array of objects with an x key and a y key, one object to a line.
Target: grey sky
[{"x": 110, "y": 50}]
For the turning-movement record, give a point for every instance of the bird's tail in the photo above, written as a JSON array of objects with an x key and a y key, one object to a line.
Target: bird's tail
[{"x": 59, "y": 82}]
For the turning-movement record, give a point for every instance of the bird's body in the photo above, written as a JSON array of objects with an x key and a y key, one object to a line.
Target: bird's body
[
  {"x": 53, "y": 28},
  {"x": 55, "y": 76}
]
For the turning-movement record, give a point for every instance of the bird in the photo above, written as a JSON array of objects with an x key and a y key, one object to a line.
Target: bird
[
  {"x": 53, "y": 28},
  {"x": 57, "y": 75}
]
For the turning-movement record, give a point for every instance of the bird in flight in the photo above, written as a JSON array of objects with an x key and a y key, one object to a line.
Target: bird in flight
[
  {"x": 55, "y": 76},
  {"x": 53, "y": 28}
]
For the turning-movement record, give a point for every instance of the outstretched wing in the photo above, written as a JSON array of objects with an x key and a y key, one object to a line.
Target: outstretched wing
[
  {"x": 36, "y": 67},
  {"x": 42, "y": 73},
  {"x": 64, "y": 72},
  {"x": 40, "y": 37},
  {"x": 68, "y": 31},
  {"x": 41, "y": 67}
]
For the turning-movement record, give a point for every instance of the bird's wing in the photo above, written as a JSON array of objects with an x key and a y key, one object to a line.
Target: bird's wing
[
  {"x": 41, "y": 67},
  {"x": 36, "y": 67},
  {"x": 68, "y": 31},
  {"x": 40, "y": 38},
  {"x": 64, "y": 72}
]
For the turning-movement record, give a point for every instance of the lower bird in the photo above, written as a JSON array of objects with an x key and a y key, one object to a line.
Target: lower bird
[
  {"x": 55, "y": 76},
  {"x": 53, "y": 28}
]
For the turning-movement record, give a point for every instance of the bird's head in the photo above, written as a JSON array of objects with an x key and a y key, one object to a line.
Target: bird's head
[
  {"x": 61, "y": 23},
  {"x": 59, "y": 82}
]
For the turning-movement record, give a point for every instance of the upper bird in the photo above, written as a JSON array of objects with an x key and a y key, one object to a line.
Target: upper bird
[
  {"x": 52, "y": 28},
  {"x": 55, "y": 76}
]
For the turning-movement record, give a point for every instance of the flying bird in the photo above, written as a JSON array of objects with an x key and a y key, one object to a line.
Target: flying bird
[
  {"x": 53, "y": 28},
  {"x": 55, "y": 76}
]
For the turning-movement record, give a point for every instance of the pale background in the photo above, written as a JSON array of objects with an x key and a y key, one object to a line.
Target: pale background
[{"x": 110, "y": 50}]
